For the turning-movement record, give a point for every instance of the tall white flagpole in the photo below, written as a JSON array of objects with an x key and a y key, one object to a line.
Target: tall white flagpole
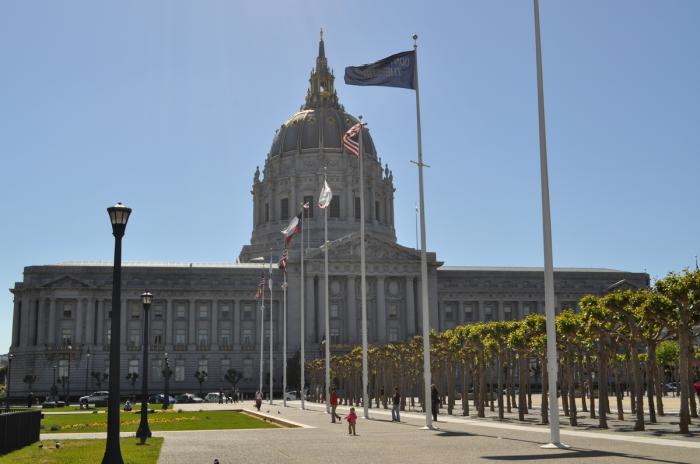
[
  {"x": 271, "y": 326},
  {"x": 262, "y": 336},
  {"x": 363, "y": 280},
  {"x": 328, "y": 325},
  {"x": 284, "y": 340},
  {"x": 423, "y": 262},
  {"x": 301, "y": 280},
  {"x": 548, "y": 261}
]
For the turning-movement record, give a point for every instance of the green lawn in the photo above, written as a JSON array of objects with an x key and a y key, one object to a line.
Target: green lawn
[
  {"x": 170, "y": 420},
  {"x": 84, "y": 452}
]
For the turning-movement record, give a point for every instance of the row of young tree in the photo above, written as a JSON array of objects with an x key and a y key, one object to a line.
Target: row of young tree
[{"x": 621, "y": 341}]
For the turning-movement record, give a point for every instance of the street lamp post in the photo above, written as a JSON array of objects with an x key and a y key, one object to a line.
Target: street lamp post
[
  {"x": 144, "y": 431},
  {"x": 70, "y": 348},
  {"x": 9, "y": 372},
  {"x": 87, "y": 370},
  {"x": 118, "y": 216},
  {"x": 166, "y": 374}
]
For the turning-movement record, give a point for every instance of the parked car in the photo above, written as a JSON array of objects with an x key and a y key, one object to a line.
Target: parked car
[
  {"x": 160, "y": 398},
  {"x": 95, "y": 397},
  {"x": 672, "y": 386},
  {"x": 291, "y": 395},
  {"x": 188, "y": 398},
  {"x": 212, "y": 397}
]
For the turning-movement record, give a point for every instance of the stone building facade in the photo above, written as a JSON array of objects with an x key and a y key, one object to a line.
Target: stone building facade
[{"x": 205, "y": 317}]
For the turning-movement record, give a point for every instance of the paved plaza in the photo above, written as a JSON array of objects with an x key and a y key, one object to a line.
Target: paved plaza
[{"x": 457, "y": 439}]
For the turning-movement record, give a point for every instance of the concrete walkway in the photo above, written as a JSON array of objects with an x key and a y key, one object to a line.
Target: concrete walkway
[{"x": 382, "y": 441}]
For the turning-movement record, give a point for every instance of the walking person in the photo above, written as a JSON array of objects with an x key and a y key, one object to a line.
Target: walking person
[
  {"x": 435, "y": 401},
  {"x": 334, "y": 405},
  {"x": 352, "y": 420},
  {"x": 396, "y": 405},
  {"x": 258, "y": 399}
]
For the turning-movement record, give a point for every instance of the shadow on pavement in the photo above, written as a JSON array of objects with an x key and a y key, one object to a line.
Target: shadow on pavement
[{"x": 574, "y": 453}]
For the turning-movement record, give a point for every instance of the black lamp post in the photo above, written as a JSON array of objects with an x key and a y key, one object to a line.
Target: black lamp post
[
  {"x": 166, "y": 374},
  {"x": 70, "y": 348},
  {"x": 144, "y": 432},
  {"x": 87, "y": 370},
  {"x": 7, "y": 390},
  {"x": 118, "y": 216}
]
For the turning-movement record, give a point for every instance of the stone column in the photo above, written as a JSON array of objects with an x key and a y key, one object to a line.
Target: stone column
[
  {"x": 192, "y": 328},
  {"x": 15, "y": 322},
  {"x": 31, "y": 318},
  {"x": 381, "y": 311},
  {"x": 214, "y": 337},
  {"x": 79, "y": 308},
  {"x": 41, "y": 322},
  {"x": 24, "y": 328},
  {"x": 168, "y": 324},
  {"x": 52, "y": 321},
  {"x": 410, "y": 308},
  {"x": 100, "y": 322},
  {"x": 236, "y": 324},
  {"x": 90, "y": 322},
  {"x": 352, "y": 311}
]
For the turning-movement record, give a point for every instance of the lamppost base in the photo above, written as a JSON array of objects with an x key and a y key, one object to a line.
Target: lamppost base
[
  {"x": 432, "y": 427},
  {"x": 143, "y": 433},
  {"x": 555, "y": 446}
]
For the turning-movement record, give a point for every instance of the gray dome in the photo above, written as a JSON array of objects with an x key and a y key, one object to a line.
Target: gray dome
[{"x": 311, "y": 129}]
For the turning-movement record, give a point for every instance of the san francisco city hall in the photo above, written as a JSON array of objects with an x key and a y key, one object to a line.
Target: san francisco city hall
[{"x": 205, "y": 316}]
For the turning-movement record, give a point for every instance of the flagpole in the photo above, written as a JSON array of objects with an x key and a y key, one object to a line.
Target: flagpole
[
  {"x": 363, "y": 282},
  {"x": 423, "y": 262},
  {"x": 284, "y": 339},
  {"x": 271, "y": 326},
  {"x": 548, "y": 260},
  {"x": 301, "y": 280},
  {"x": 262, "y": 336},
  {"x": 328, "y": 324}
]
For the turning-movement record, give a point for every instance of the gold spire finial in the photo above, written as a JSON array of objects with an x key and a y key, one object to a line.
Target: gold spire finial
[{"x": 321, "y": 34}]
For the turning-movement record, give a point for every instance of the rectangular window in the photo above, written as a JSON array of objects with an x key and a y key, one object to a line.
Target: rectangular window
[
  {"x": 284, "y": 208},
  {"x": 507, "y": 312},
  {"x": 158, "y": 314},
  {"x": 247, "y": 369},
  {"x": 335, "y": 336},
  {"x": 202, "y": 366},
  {"x": 449, "y": 312},
  {"x": 133, "y": 366},
  {"x": 247, "y": 337},
  {"x": 156, "y": 369},
  {"x": 179, "y": 336},
  {"x": 225, "y": 366},
  {"x": 203, "y": 337},
  {"x": 66, "y": 335},
  {"x": 376, "y": 210},
  {"x": 357, "y": 208},
  {"x": 267, "y": 212},
  {"x": 225, "y": 337},
  {"x": 468, "y": 313},
  {"x": 335, "y": 207},
  {"x": 134, "y": 337},
  {"x": 309, "y": 212},
  {"x": 62, "y": 368},
  {"x": 157, "y": 337},
  {"x": 135, "y": 312},
  {"x": 108, "y": 335},
  {"x": 334, "y": 310},
  {"x": 67, "y": 312},
  {"x": 393, "y": 309},
  {"x": 225, "y": 313},
  {"x": 247, "y": 313},
  {"x": 203, "y": 312},
  {"x": 489, "y": 310},
  {"x": 180, "y": 370},
  {"x": 393, "y": 334},
  {"x": 180, "y": 311}
]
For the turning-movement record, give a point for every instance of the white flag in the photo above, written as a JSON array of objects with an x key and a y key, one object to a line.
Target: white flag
[{"x": 324, "y": 199}]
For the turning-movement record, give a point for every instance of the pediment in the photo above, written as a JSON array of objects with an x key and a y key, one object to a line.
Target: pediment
[
  {"x": 621, "y": 285},
  {"x": 66, "y": 281},
  {"x": 376, "y": 249}
]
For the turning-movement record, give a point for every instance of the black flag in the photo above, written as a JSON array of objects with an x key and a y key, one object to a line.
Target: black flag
[{"x": 394, "y": 71}]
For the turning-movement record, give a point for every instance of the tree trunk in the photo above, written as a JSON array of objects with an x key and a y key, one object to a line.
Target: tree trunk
[
  {"x": 572, "y": 393},
  {"x": 658, "y": 376},
  {"x": 499, "y": 367},
  {"x": 638, "y": 386},
  {"x": 451, "y": 380},
  {"x": 618, "y": 394},
  {"x": 602, "y": 386},
  {"x": 482, "y": 387},
  {"x": 522, "y": 381},
  {"x": 684, "y": 344},
  {"x": 465, "y": 389},
  {"x": 581, "y": 374},
  {"x": 544, "y": 406},
  {"x": 650, "y": 383}
]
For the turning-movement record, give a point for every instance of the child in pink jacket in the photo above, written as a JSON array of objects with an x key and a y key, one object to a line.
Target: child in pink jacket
[{"x": 352, "y": 419}]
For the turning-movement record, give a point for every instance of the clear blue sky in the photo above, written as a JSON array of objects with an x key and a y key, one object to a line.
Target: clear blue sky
[{"x": 168, "y": 106}]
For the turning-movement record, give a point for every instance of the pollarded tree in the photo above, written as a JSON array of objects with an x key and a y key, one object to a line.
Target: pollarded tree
[
  {"x": 201, "y": 377},
  {"x": 29, "y": 379},
  {"x": 684, "y": 292},
  {"x": 233, "y": 376},
  {"x": 569, "y": 337},
  {"x": 131, "y": 377},
  {"x": 598, "y": 324}
]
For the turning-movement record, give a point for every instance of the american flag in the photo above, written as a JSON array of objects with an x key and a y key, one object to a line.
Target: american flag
[
  {"x": 283, "y": 261},
  {"x": 261, "y": 286},
  {"x": 350, "y": 142}
]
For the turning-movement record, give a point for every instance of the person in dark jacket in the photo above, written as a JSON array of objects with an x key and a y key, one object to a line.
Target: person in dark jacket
[
  {"x": 435, "y": 401},
  {"x": 334, "y": 405},
  {"x": 396, "y": 405}
]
